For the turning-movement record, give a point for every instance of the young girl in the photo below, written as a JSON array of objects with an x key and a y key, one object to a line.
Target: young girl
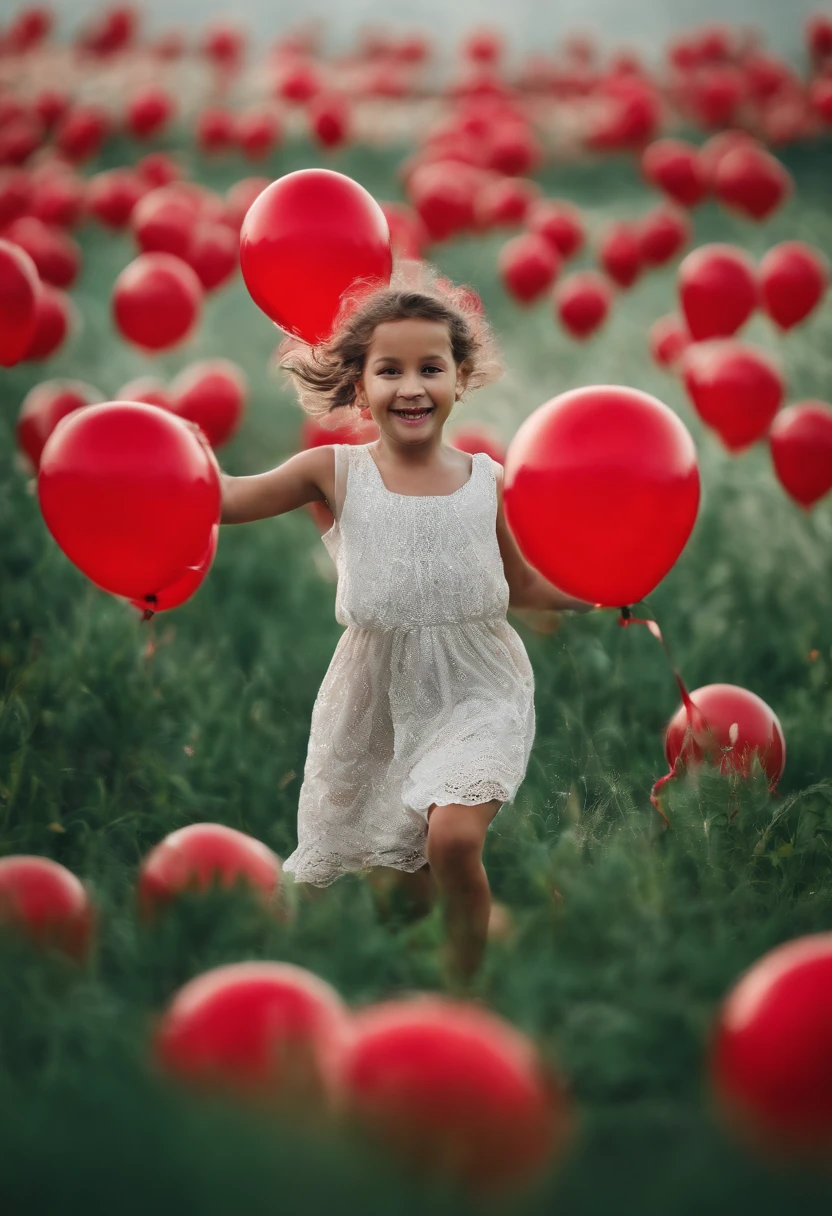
[{"x": 423, "y": 725}]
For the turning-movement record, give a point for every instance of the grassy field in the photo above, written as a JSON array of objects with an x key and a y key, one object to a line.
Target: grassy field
[{"x": 113, "y": 733}]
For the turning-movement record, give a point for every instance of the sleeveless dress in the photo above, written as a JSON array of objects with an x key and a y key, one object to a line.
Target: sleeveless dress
[{"x": 429, "y": 697}]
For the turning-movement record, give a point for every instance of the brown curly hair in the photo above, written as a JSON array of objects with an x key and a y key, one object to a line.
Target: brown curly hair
[{"x": 326, "y": 375}]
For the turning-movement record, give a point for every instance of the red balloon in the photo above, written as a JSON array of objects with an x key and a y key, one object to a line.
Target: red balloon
[
  {"x": 29, "y": 28},
  {"x": 560, "y": 223},
  {"x": 113, "y": 195},
  {"x": 601, "y": 491},
  {"x": 51, "y": 105},
  {"x": 513, "y": 149},
  {"x": 453, "y": 1089},
  {"x": 149, "y": 389},
  {"x": 43, "y": 408},
  {"x": 528, "y": 266},
  {"x": 801, "y": 448},
  {"x": 716, "y": 92},
  {"x": 81, "y": 132},
  {"x": 214, "y": 253},
  {"x": 149, "y": 111},
  {"x": 212, "y": 394},
  {"x": 669, "y": 339},
  {"x": 308, "y": 238},
  {"x": 240, "y": 196},
  {"x": 662, "y": 233},
  {"x": 718, "y": 290},
  {"x": 258, "y": 132},
  {"x": 185, "y": 586},
  {"x": 737, "y": 389},
  {"x": 477, "y": 437},
  {"x": 675, "y": 167},
  {"x": 793, "y": 279},
  {"x": 59, "y": 197},
  {"x": 582, "y": 301},
  {"x": 329, "y": 120},
  {"x": 201, "y": 854},
  {"x": 732, "y": 726},
  {"x": 264, "y": 1031},
  {"x": 752, "y": 182},
  {"x": 19, "y": 291},
  {"x": 156, "y": 301},
  {"x": 505, "y": 202},
  {"x": 299, "y": 81},
  {"x": 408, "y": 234},
  {"x": 54, "y": 318},
  {"x": 443, "y": 193},
  {"x": 158, "y": 169},
  {"x": 55, "y": 254},
  {"x": 224, "y": 44},
  {"x": 769, "y": 1053},
  {"x": 715, "y": 149},
  {"x": 130, "y": 493},
  {"x": 46, "y": 902},
  {"x": 215, "y": 130},
  {"x": 163, "y": 221},
  {"x": 620, "y": 254},
  {"x": 20, "y": 137},
  {"x": 15, "y": 194}
]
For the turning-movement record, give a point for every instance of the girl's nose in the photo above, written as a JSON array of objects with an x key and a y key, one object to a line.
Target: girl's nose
[{"x": 410, "y": 388}]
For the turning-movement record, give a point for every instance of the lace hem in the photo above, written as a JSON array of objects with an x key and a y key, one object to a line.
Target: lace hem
[{"x": 321, "y": 870}]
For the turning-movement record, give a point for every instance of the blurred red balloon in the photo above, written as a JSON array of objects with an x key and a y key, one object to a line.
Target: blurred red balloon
[
  {"x": 768, "y": 1050},
  {"x": 483, "y": 46},
  {"x": 214, "y": 253},
  {"x": 211, "y": 393},
  {"x": 478, "y": 437},
  {"x": 264, "y": 1031},
  {"x": 158, "y": 169},
  {"x": 130, "y": 493},
  {"x": 149, "y": 389},
  {"x": 43, "y": 408},
  {"x": 81, "y": 132},
  {"x": 661, "y": 234},
  {"x": 240, "y": 196},
  {"x": 718, "y": 146},
  {"x": 59, "y": 197},
  {"x": 329, "y": 119},
  {"x": 582, "y": 301},
  {"x": 801, "y": 449},
  {"x": 675, "y": 167},
  {"x": 215, "y": 130},
  {"x": 505, "y": 201},
  {"x": 45, "y": 901},
  {"x": 793, "y": 279},
  {"x": 112, "y": 196},
  {"x": 408, "y": 234},
  {"x": 601, "y": 491},
  {"x": 735, "y": 725},
  {"x": 15, "y": 194},
  {"x": 110, "y": 31},
  {"x": 19, "y": 290},
  {"x": 54, "y": 318},
  {"x": 29, "y": 28},
  {"x": 51, "y": 105},
  {"x": 560, "y": 223},
  {"x": 420, "y": 1073},
  {"x": 443, "y": 193},
  {"x": 737, "y": 389},
  {"x": 528, "y": 265},
  {"x": 628, "y": 116},
  {"x": 258, "y": 132},
  {"x": 669, "y": 339},
  {"x": 224, "y": 44},
  {"x": 752, "y": 181},
  {"x": 513, "y": 149},
  {"x": 299, "y": 82},
  {"x": 156, "y": 301},
  {"x": 200, "y": 855},
  {"x": 55, "y": 254},
  {"x": 718, "y": 290},
  {"x": 20, "y": 137},
  {"x": 716, "y": 92},
  {"x": 149, "y": 111},
  {"x": 619, "y": 253},
  {"x": 308, "y": 238}
]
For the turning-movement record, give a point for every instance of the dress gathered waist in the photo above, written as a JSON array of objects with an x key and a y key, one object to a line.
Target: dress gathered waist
[{"x": 470, "y": 620}]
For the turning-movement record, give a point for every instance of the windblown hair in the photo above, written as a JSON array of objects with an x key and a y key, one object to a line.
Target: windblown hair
[{"x": 326, "y": 375}]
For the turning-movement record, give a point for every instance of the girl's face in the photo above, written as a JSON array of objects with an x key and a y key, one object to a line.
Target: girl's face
[{"x": 410, "y": 371}]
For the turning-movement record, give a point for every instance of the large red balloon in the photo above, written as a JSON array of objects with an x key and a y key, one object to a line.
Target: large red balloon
[
  {"x": 308, "y": 238},
  {"x": 211, "y": 393},
  {"x": 130, "y": 493},
  {"x": 793, "y": 279},
  {"x": 736, "y": 388},
  {"x": 770, "y": 1052},
  {"x": 156, "y": 301},
  {"x": 718, "y": 290},
  {"x": 264, "y": 1031},
  {"x": 19, "y": 292},
  {"x": 198, "y": 856},
  {"x": 454, "y": 1090},
  {"x": 601, "y": 491},
  {"x": 732, "y": 726},
  {"x": 801, "y": 448},
  {"x": 43, "y": 408},
  {"x": 182, "y": 588},
  {"x": 46, "y": 902}
]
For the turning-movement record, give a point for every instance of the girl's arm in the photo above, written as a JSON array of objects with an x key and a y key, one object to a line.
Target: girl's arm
[{"x": 294, "y": 483}]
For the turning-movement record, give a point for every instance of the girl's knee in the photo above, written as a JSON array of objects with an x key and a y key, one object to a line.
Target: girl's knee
[{"x": 456, "y": 835}]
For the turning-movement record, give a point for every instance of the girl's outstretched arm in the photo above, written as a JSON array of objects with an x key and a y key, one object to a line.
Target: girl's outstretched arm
[{"x": 305, "y": 477}]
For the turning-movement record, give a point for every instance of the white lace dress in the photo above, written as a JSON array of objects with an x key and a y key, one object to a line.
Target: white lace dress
[{"x": 429, "y": 697}]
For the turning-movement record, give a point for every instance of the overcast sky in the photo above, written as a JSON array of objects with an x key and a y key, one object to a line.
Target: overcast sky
[{"x": 529, "y": 24}]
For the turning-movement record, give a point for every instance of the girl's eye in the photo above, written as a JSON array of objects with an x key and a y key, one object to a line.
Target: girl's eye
[{"x": 432, "y": 369}]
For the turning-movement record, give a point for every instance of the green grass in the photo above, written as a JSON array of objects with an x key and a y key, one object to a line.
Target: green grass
[{"x": 618, "y": 981}]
